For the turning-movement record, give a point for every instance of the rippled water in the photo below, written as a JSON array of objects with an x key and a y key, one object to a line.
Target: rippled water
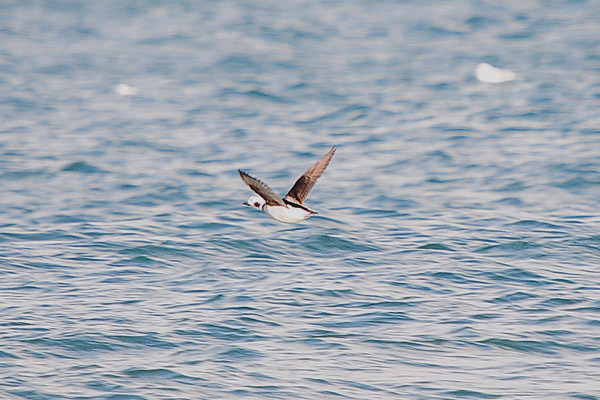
[{"x": 457, "y": 249}]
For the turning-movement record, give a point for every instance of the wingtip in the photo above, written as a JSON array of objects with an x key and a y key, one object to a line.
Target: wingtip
[
  {"x": 331, "y": 152},
  {"x": 244, "y": 175}
]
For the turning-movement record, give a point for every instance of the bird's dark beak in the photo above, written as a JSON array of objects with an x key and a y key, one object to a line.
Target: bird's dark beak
[{"x": 245, "y": 203}]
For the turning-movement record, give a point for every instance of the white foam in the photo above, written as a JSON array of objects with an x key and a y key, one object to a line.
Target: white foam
[
  {"x": 490, "y": 74},
  {"x": 124, "y": 89}
]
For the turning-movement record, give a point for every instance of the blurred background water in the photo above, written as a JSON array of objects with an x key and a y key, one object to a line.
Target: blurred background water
[{"x": 457, "y": 250}]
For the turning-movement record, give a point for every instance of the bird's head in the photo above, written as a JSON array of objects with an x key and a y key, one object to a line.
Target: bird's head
[{"x": 256, "y": 202}]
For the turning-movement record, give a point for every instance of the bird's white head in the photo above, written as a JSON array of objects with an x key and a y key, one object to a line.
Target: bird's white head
[{"x": 256, "y": 202}]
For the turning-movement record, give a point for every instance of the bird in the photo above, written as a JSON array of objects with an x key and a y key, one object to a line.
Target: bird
[{"x": 291, "y": 208}]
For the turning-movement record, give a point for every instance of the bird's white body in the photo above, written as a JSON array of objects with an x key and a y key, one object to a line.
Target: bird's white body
[{"x": 288, "y": 214}]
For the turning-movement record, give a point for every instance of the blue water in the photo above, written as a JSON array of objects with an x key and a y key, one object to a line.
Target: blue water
[{"x": 456, "y": 254}]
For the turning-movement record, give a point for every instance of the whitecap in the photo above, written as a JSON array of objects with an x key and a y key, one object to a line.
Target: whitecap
[
  {"x": 490, "y": 74},
  {"x": 124, "y": 89}
]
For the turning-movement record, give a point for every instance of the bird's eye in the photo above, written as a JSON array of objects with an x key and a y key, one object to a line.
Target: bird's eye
[{"x": 256, "y": 204}]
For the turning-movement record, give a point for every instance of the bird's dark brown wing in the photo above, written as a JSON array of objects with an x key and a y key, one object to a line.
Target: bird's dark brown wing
[
  {"x": 299, "y": 192},
  {"x": 262, "y": 190}
]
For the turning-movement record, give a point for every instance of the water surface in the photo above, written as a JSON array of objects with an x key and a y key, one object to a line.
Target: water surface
[{"x": 457, "y": 250}]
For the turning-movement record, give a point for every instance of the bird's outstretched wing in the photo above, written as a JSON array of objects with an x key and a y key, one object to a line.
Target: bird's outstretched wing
[
  {"x": 262, "y": 190},
  {"x": 299, "y": 192}
]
